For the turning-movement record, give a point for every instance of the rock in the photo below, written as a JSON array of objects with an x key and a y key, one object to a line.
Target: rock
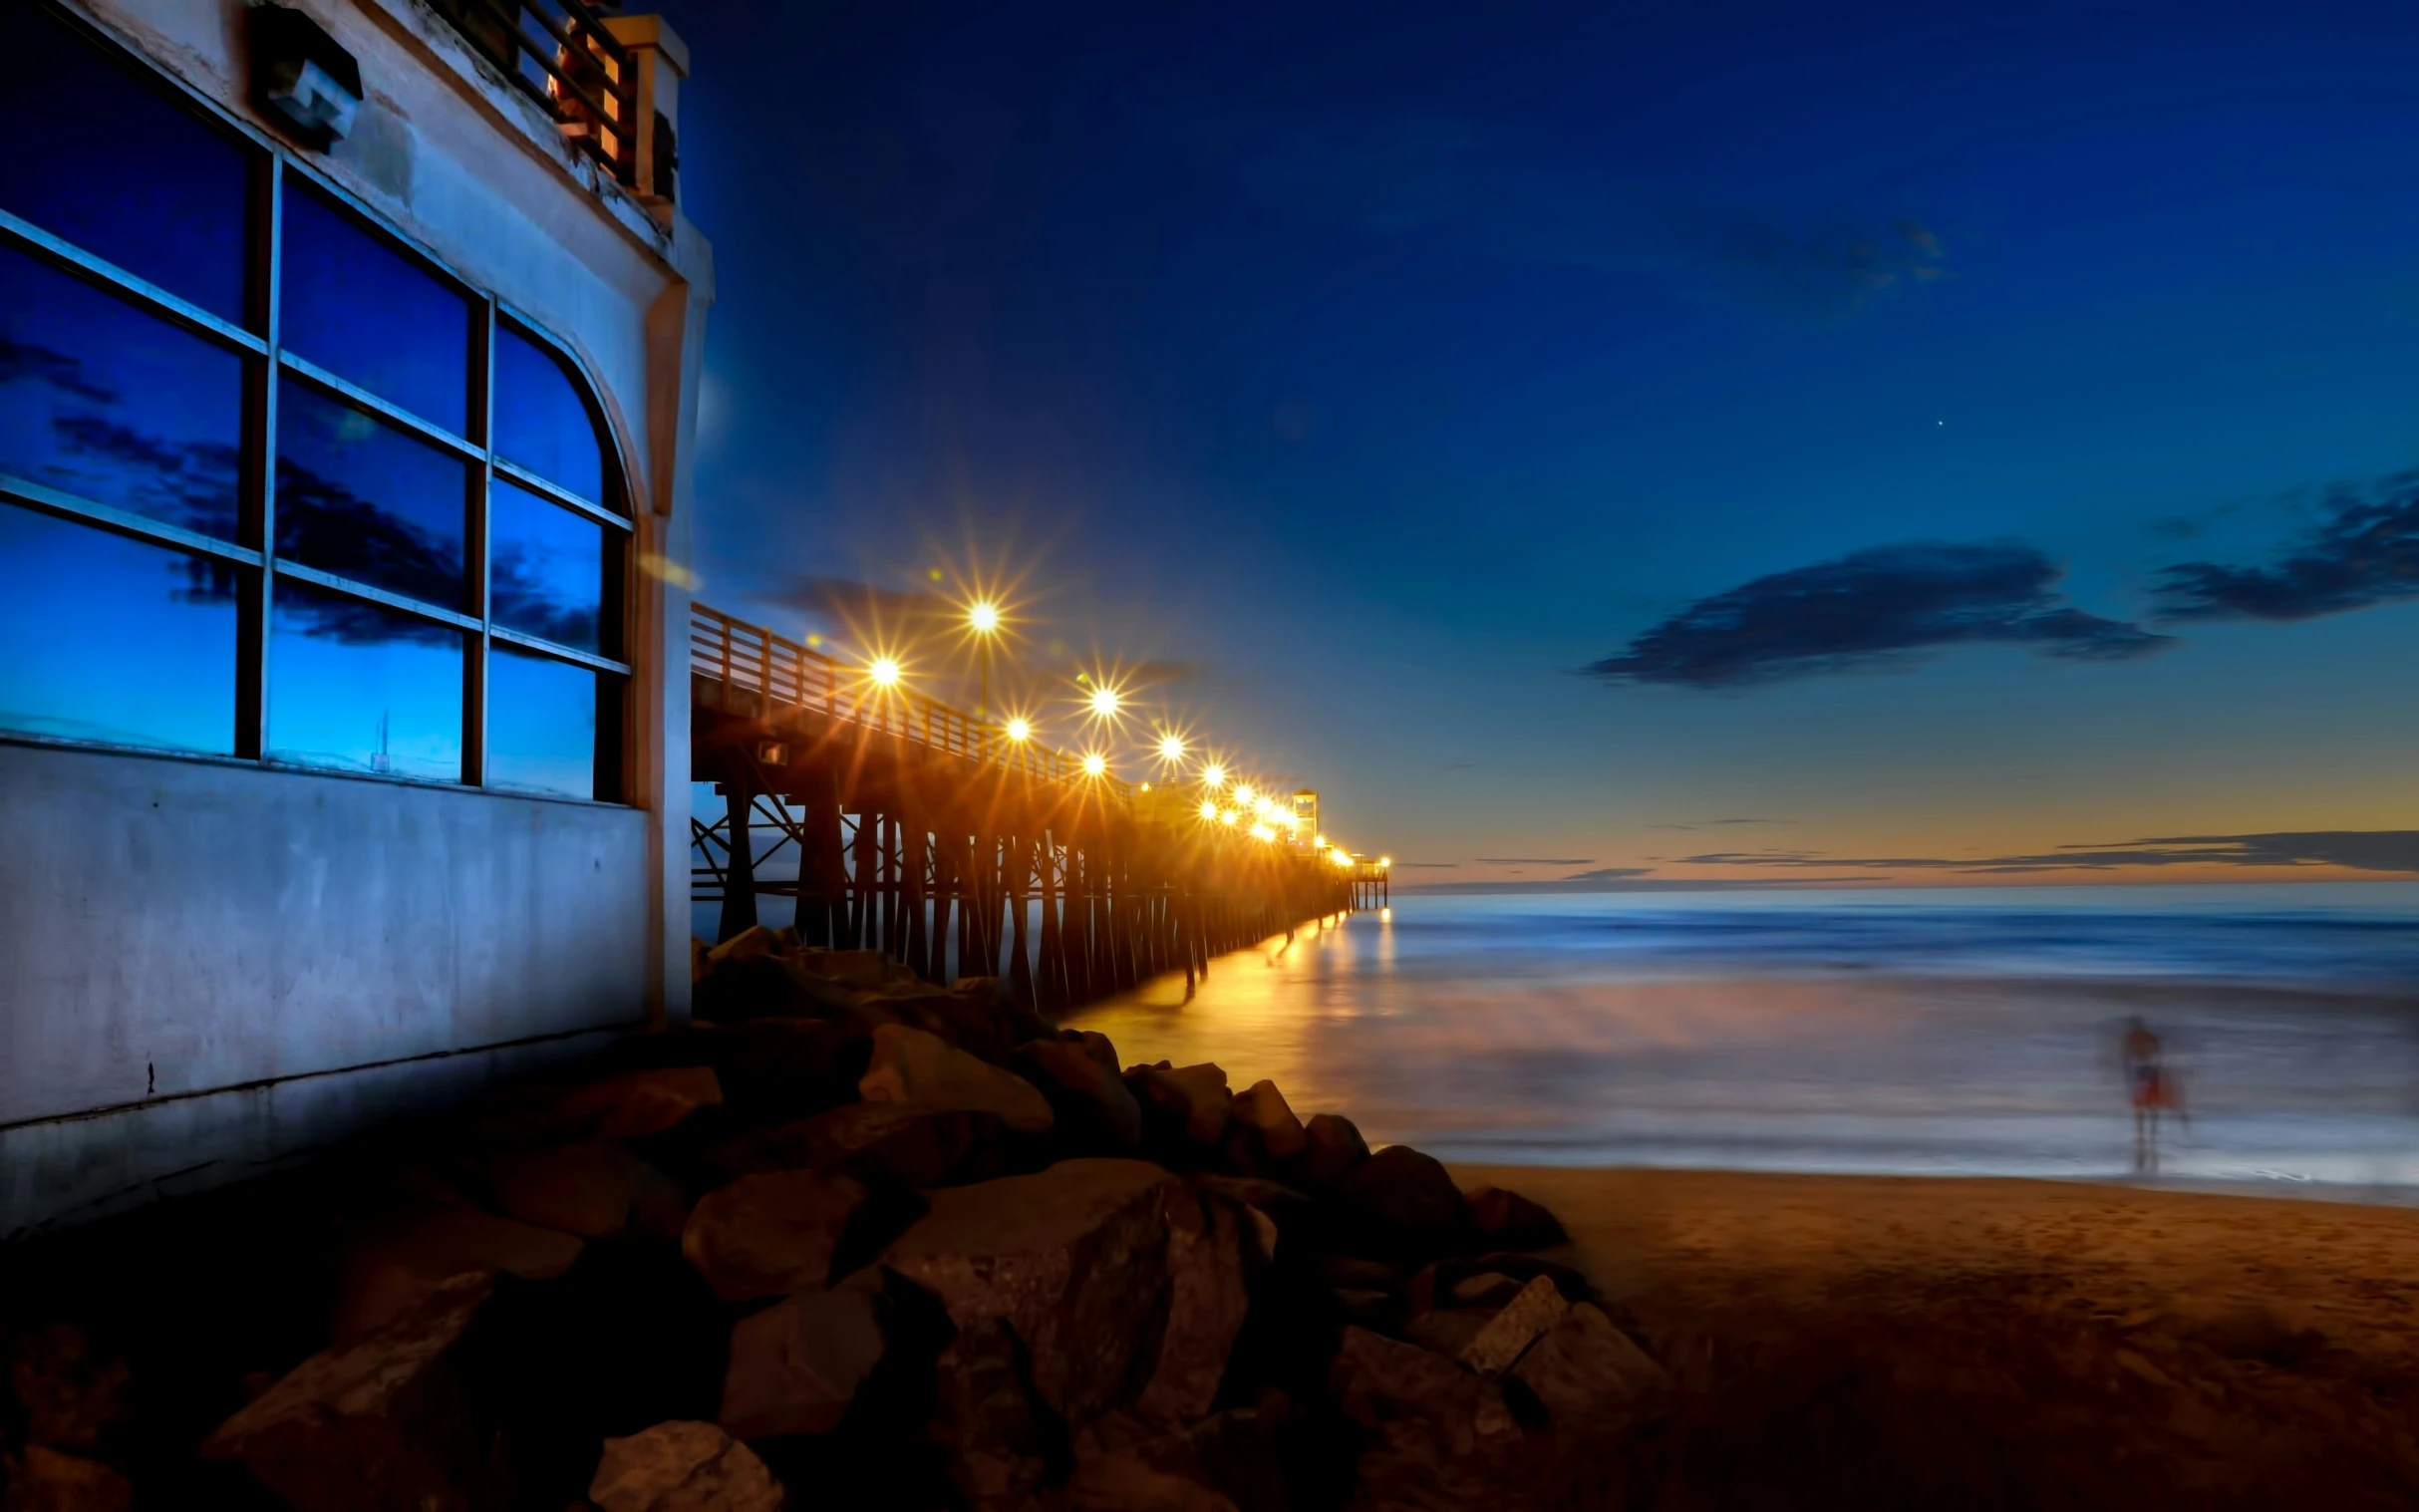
[
  {"x": 1264, "y": 1111},
  {"x": 583, "y": 1189},
  {"x": 1331, "y": 1145},
  {"x": 69, "y": 1390},
  {"x": 771, "y": 1234},
  {"x": 1511, "y": 1221},
  {"x": 1123, "y": 1483},
  {"x": 1352, "y": 1271},
  {"x": 919, "y": 1069},
  {"x": 638, "y": 1103},
  {"x": 701, "y": 958},
  {"x": 1487, "y": 1289},
  {"x": 872, "y": 1141},
  {"x": 785, "y": 1069},
  {"x": 1073, "y": 1258},
  {"x": 1087, "y": 1097},
  {"x": 380, "y": 1425},
  {"x": 1123, "y": 1461},
  {"x": 1205, "y": 1259},
  {"x": 852, "y": 967},
  {"x": 683, "y": 1467},
  {"x": 1364, "y": 1306},
  {"x": 1446, "y": 1330},
  {"x": 395, "y": 1261},
  {"x": 1098, "y": 1047},
  {"x": 1378, "y": 1381},
  {"x": 45, "y": 1480},
  {"x": 1405, "y": 1193},
  {"x": 1192, "y": 1100},
  {"x": 795, "y": 1367},
  {"x": 1537, "y": 1308},
  {"x": 751, "y": 944},
  {"x": 1000, "y": 1438},
  {"x": 1586, "y": 1372}
]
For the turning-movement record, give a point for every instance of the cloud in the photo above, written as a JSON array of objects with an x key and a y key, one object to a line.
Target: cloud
[
  {"x": 1869, "y": 610},
  {"x": 1608, "y": 874},
  {"x": 2365, "y": 553},
  {"x": 1713, "y": 823},
  {"x": 860, "y": 603},
  {"x": 22, "y": 361},
  {"x": 1426, "y": 866},
  {"x": 1534, "y": 860},
  {"x": 2379, "y": 850}
]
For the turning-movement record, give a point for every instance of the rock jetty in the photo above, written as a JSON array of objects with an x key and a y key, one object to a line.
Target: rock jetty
[{"x": 850, "y": 1238}]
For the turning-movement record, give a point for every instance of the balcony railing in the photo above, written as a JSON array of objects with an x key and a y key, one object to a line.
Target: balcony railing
[
  {"x": 559, "y": 54},
  {"x": 741, "y": 655}
]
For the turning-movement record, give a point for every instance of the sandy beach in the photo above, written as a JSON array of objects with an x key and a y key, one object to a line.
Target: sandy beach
[{"x": 1911, "y": 1342}]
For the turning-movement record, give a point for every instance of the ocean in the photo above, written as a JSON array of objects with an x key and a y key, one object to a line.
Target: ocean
[{"x": 1934, "y": 1031}]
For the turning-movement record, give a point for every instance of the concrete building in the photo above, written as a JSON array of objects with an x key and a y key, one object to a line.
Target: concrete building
[{"x": 349, "y": 362}]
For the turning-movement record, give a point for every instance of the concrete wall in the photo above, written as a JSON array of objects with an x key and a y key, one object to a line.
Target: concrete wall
[{"x": 205, "y": 966}]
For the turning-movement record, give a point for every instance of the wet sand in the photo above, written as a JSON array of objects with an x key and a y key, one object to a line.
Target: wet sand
[{"x": 1906, "y": 1342}]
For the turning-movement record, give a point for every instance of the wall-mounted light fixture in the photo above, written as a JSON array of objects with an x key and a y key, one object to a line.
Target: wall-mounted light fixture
[{"x": 300, "y": 75}]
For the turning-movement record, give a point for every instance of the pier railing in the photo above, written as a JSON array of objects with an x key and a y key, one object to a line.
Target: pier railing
[{"x": 789, "y": 674}]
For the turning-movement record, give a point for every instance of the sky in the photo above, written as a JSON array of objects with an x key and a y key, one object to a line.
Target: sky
[{"x": 1632, "y": 446}]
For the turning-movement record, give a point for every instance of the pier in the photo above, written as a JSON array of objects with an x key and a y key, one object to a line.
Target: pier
[{"x": 899, "y": 823}]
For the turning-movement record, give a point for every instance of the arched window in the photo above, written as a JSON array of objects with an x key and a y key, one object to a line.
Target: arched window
[{"x": 355, "y": 517}]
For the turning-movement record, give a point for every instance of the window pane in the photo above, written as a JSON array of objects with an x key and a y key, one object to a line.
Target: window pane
[
  {"x": 541, "y": 423},
  {"x": 103, "y": 638},
  {"x": 371, "y": 315},
  {"x": 361, "y": 687},
  {"x": 102, "y": 158},
  {"x": 547, "y": 568},
  {"x": 357, "y": 498},
  {"x": 99, "y": 400},
  {"x": 542, "y": 724}
]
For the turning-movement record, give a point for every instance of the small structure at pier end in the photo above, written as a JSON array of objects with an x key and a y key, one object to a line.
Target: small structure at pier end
[{"x": 349, "y": 357}]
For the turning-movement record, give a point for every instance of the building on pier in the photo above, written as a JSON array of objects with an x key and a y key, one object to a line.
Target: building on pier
[{"x": 348, "y": 370}]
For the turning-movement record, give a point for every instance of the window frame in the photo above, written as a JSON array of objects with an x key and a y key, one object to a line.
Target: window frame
[{"x": 273, "y": 171}]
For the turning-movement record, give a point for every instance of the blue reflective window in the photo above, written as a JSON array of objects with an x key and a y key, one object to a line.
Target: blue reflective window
[
  {"x": 102, "y": 158},
  {"x": 547, "y": 568},
  {"x": 105, "y": 402},
  {"x": 541, "y": 423},
  {"x": 361, "y": 499},
  {"x": 115, "y": 640},
  {"x": 361, "y": 309},
  {"x": 363, "y": 688},
  {"x": 542, "y": 724}
]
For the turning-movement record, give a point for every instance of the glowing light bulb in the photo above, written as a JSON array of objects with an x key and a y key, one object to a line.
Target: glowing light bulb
[
  {"x": 1243, "y": 792},
  {"x": 1104, "y": 700},
  {"x": 1172, "y": 747},
  {"x": 983, "y": 616},
  {"x": 1226, "y": 816},
  {"x": 1020, "y": 731},
  {"x": 1214, "y": 775},
  {"x": 1095, "y": 764},
  {"x": 1263, "y": 832},
  {"x": 884, "y": 672},
  {"x": 1209, "y": 810}
]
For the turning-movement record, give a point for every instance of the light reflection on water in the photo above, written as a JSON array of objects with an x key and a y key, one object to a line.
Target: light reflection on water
[{"x": 1966, "y": 1031}]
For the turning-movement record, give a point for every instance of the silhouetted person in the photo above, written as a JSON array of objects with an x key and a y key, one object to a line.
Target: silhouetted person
[{"x": 2152, "y": 1088}]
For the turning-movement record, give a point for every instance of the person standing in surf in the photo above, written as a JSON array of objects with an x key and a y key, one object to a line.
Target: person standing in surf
[{"x": 2153, "y": 1089}]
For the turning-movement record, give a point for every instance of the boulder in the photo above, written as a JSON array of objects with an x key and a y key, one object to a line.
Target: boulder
[
  {"x": 1507, "y": 1220},
  {"x": 1403, "y": 1192},
  {"x": 1226, "y": 1460},
  {"x": 1125, "y": 1483},
  {"x": 1263, "y": 1110},
  {"x": 1486, "y": 1289},
  {"x": 1331, "y": 1145},
  {"x": 1087, "y": 1098},
  {"x": 683, "y": 1467},
  {"x": 998, "y": 1438},
  {"x": 380, "y": 1425},
  {"x": 1190, "y": 1100},
  {"x": 585, "y": 1189},
  {"x": 850, "y": 968},
  {"x": 395, "y": 1260},
  {"x": 67, "y": 1390},
  {"x": 795, "y": 1367},
  {"x": 1536, "y": 1309},
  {"x": 1098, "y": 1045},
  {"x": 46, "y": 1480},
  {"x": 784, "y": 1069},
  {"x": 1379, "y": 1380},
  {"x": 872, "y": 1141},
  {"x": 1073, "y": 1258},
  {"x": 1446, "y": 1330},
  {"x": 919, "y": 1069},
  {"x": 751, "y": 944},
  {"x": 1206, "y": 1304},
  {"x": 1584, "y": 1372},
  {"x": 638, "y": 1103},
  {"x": 772, "y": 1234}
]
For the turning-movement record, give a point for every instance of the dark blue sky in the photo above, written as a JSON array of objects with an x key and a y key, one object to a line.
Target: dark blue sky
[{"x": 1544, "y": 426}]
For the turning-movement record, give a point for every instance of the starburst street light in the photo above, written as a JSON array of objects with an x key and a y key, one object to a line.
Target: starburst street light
[
  {"x": 1020, "y": 731},
  {"x": 983, "y": 618},
  {"x": 1104, "y": 701},
  {"x": 1095, "y": 764},
  {"x": 1226, "y": 816},
  {"x": 1209, "y": 810},
  {"x": 884, "y": 672},
  {"x": 1243, "y": 792},
  {"x": 1172, "y": 747},
  {"x": 1214, "y": 775}
]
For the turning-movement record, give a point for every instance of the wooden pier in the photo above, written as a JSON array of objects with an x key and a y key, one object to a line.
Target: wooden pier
[{"x": 899, "y": 823}]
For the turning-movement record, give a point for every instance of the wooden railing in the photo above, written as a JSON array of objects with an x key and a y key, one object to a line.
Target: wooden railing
[
  {"x": 741, "y": 655},
  {"x": 559, "y": 54}
]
